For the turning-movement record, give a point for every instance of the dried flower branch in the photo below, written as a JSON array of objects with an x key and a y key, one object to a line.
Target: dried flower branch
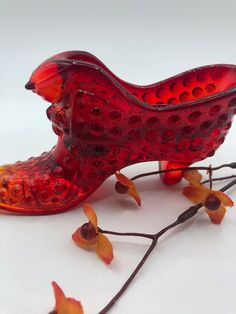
[{"x": 183, "y": 217}]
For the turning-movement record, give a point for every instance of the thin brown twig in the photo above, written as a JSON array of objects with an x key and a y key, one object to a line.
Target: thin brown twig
[
  {"x": 129, "y": 280},
  {"x": 135, "y": 234},
  {"x": 210, "y": 171},
  {"x": 231, "y": 165},
  {"x": 219, "y": 179}
]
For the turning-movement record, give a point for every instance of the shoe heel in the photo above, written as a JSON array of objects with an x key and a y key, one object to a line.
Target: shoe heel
[{"x": 172, "y": 177}]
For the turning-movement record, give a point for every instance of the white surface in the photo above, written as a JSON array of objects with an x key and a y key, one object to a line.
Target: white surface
[{"x": 193, "y": 268}]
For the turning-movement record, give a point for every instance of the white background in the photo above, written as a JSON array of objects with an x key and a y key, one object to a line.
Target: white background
[{"x": 193, "y": 268}]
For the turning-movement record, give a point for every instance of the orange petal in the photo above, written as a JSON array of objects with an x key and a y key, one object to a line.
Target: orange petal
[
  {"x": 124, "y": 180},
  {"x": 104, "y": 249},
  {"x": 65, "y": 305},
  {"x": 192, "y": 176},
  {"x": 216, "y": 216},
  {"x": 226, "y": 201},
  {"x": 133, "y": 193},
  {"x": 70, "y": 306},
  {"x": 196, "y": 193},
  {"x": 91, "y": 215},
  {"x": 59, "y": 294},
  {"x": 84, "y": 243}
]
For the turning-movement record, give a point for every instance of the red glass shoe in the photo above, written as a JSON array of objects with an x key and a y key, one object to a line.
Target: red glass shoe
[{"x": 104, "y": 124}]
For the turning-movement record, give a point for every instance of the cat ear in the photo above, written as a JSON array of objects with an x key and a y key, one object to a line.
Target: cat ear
[{"x": 47, "y": 81}]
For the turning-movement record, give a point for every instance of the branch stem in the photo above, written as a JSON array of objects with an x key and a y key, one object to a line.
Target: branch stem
[
  {"x": 219, "y": 179},
  {"x": 131, "y": 277},
  {"x": 231, "y": 165},
  {"x": 135, "y": 234}
]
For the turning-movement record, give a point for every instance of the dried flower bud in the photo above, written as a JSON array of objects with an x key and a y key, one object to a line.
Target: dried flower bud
[
  {"x": 212, "y": 202},
  {"x": 88, "y": 231},
  {"x": 121, "y": 188}
]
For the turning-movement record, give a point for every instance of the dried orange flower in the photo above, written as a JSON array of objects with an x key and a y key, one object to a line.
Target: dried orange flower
[
  {"x": 126, "y": 186},
  {"x": 88, "y": 237},
  {"x": 65, "y": 305},
  {"x": 215, "y": 202}
]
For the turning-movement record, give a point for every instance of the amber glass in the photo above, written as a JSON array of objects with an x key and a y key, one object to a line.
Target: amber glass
[{"x": 105, "y": 124}]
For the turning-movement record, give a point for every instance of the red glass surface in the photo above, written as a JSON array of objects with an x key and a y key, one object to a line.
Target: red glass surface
[{"x": 104, "y": 124}]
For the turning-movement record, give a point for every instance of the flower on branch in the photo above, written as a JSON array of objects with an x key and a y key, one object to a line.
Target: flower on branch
[
  {"x": 126, "y": 186},
  {"x": 63, "y": 304},
  {"x": 215, "y": 202},
  {"x": 88, "y": 237}
]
